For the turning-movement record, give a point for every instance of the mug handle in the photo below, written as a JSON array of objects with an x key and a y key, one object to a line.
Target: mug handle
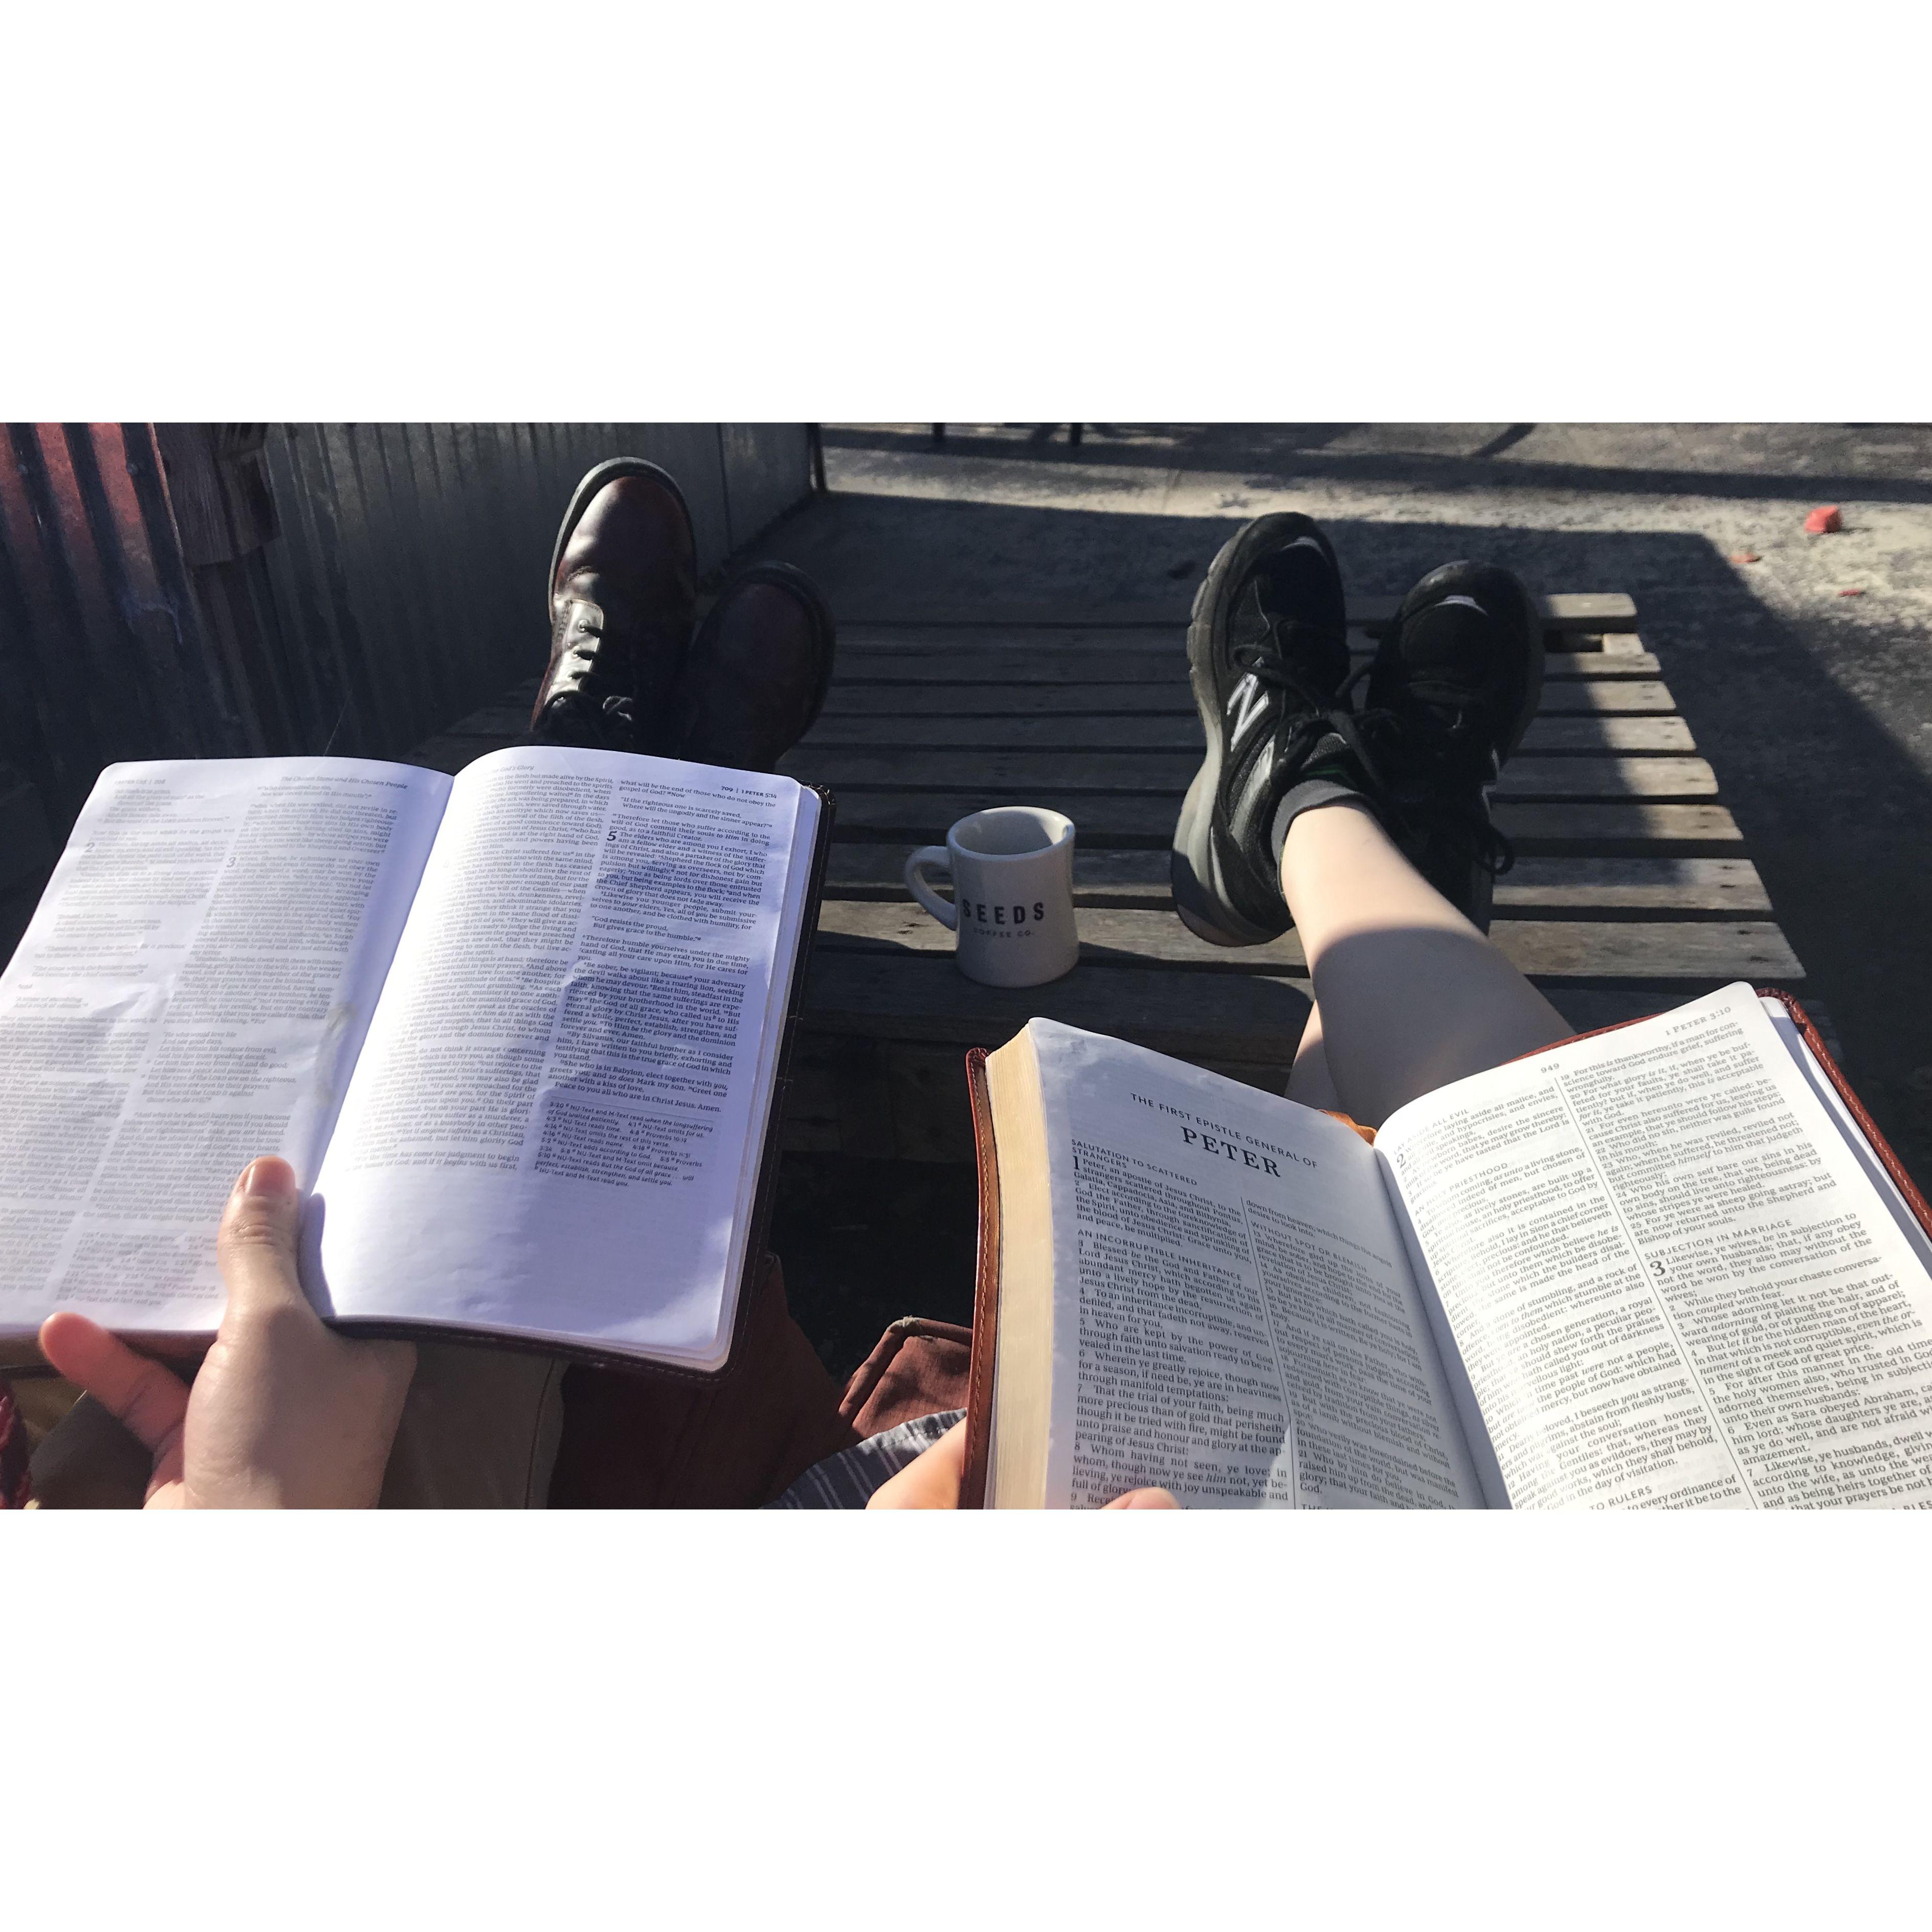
[{"x": 937, "y": 856}]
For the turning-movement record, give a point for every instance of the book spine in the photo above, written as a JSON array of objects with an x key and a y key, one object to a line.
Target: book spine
[{"x": 985, "y": 1290}]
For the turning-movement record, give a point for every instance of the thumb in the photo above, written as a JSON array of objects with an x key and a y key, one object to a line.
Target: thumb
[
  {"x": 1143, "y": 1499},
  {"x": 257, "y": 1246}
]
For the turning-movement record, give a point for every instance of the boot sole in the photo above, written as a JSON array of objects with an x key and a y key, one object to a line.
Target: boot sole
[{"x": 1194, "y": 867}]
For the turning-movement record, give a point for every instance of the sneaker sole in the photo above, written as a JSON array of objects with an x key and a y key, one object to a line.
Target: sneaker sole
[{"x": 1194, "y": 867}]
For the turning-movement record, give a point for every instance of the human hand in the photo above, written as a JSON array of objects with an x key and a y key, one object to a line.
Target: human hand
[
  {"x": 284, "y": 1414},
  {"x": 931, "y": 1480}
]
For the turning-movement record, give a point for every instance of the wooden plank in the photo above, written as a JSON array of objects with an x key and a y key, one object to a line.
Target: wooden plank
[
  {"x": 996, "y": 700},
  {"x": 862, "y": 640},
  {"x": 1588, "y": 611},
  {"x": 852, "y": 770},
  {"x": 1700, "y": 950},
  {"x": 1605, "y": 777},
  {"x": 1112, "y": 938},
  {"x": 1639, "y": 697},
  {"x": 1075, "y": 731},
  {"x": 1005, "y": 664},
  {"x": 1179, "y": 731},
  {"x": 1561, "y": 698},
  {"x": 1622, "y": 829},
  {"x": 1231, "y": 1016},
  {"x": 863, "y": 870},
  {"x": 1544, "y": 887},
  {"x": 1641, "y": 735},
  {"x": 504, "y": 722},
  {"x": 1001, "y": 663},
  {"x": 1629, "y": 830}
]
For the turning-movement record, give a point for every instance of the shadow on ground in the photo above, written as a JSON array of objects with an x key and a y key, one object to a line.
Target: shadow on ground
[
  {"x": 1838, "y": 816},
  {"x": 866, "y": 1241}
]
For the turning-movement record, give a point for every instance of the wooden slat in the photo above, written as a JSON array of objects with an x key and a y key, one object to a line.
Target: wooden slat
[
  {"x": 1002, "y": 700},
  {"x": 1251, "y": 1017},
  {"x": 1595, "y": 732},
  {"x": 1113, "y": 937},
  {"x": 1613, "y": 830},
  {"x": 1645, "y": 696},
  {"x": 1179, "y": 731},
  {"x": 1000, "y": 663},
  {"x": 1561, "y": 698},
  {"x": 1605, "y": 777},
  {"x": 1649, "y": 885},
  {"x": 1587, "y": 611},
  {"x": 862, "y": 640},
  {"x": 1561, "y": 887},
  {"x": 506, "y": 721},
  {"x": 1005, "y": 664},
  {"x": 853, "y": 769},
  {"x": 1617, "y": 831}
]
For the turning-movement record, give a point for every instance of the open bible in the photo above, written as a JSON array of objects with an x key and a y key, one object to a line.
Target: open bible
[
  {"x": 522, "y": 1032},
  {"x": 1671, "y": 1264}
]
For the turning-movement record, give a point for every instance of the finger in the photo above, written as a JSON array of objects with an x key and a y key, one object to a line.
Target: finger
[
  {"x": 1143, "y": 1499},
  {"x": 257, "y": 1245},
  {"x": 930, "y": 1480},
  {"x": 140, "y": 1395}
]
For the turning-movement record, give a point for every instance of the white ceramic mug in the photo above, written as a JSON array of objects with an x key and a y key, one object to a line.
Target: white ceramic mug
[{"x": 1012, "y": 869}]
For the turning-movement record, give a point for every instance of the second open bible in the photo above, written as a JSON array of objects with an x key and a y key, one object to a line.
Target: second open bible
[{"x": 1669, "y": 1265}]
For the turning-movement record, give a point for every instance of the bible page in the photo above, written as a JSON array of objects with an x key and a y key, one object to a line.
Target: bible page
[
  {"x": 192, "y": 992},
  {"x": 1666, "y": 1276},
  {"x": 1234, "y": 1315},
  {"x": 555, "y": 1129}
]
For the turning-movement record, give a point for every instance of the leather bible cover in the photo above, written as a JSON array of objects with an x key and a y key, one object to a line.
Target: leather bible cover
[
  {"x": 986, "y": 1290},
  {"x": 1867, "y": 1126}
]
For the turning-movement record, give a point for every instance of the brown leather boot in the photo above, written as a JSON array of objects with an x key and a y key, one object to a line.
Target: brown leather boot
[
  {"x": 623, "y": 590},
  {"x": 756, "y": 677}
]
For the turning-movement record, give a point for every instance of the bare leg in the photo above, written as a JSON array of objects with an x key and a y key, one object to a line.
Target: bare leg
[
  {"x": 1412, "y": 996},
  {"x": 1309, "y": 1080}
]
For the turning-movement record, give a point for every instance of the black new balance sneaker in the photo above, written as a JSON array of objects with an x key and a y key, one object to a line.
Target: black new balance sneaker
[
  {"x": 1267, "y": 652},
  {"x": 1454, "y": 684}
]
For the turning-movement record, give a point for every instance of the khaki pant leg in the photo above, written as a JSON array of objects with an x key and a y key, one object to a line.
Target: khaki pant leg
[{"x": 480, "y": 1430}]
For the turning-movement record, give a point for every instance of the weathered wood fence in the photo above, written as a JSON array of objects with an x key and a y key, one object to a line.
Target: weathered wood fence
[{"x": 229, "y": 590}]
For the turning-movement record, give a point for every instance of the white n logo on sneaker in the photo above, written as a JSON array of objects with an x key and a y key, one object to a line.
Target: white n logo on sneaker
[{"x": 1247, "y": 703}]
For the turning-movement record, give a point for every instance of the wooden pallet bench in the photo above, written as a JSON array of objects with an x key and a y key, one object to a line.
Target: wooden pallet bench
[{"x": 1632, "y": 889}]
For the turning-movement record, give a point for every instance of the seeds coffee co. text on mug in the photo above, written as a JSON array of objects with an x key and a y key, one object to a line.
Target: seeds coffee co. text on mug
[{"x": 1012, "y": 869}]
